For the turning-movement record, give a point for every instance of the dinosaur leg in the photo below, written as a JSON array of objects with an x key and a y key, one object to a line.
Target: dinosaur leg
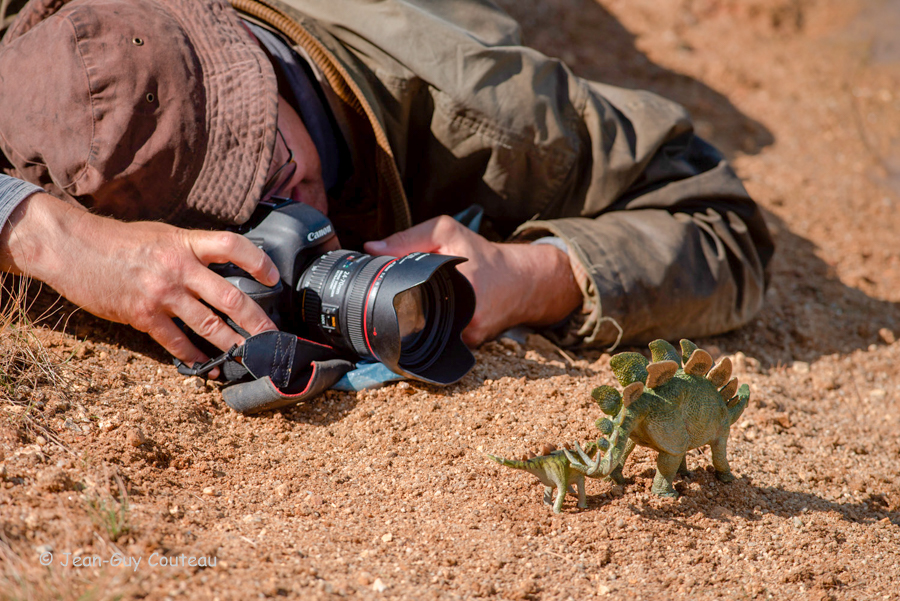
[
  {"x": 582, "y": 498},
  {"x": 666, "y": 468},
  {"x": 560, "y": 497},
  {"x": 616, "y": 475},
  {"x": 719, "y": 449},
  {"x": 683, "y": 468},
  {"x": 548, "y": 495}
]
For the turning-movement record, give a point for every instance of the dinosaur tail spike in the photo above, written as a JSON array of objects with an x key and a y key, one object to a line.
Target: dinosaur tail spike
[
  {"x": 605, "y": 426},
  {"x": 699, "y": 363},
  {"x": 614, "y": 452},
  {"x": 737, "y": 405},
  {"x": 629, "y": 368},
  {"x": 687, "y": 349},
  {"x": 720, "y": 373},
  {"x": 660, "y": 350},
  {"x": 608, "y": 398},
  {"x": 661, "y": 372},
  {"x": 729, "y": 390}
]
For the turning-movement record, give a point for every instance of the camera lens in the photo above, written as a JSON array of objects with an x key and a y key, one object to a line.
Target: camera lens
[
  {"x": 411, "y": 316},
  {"x": 407, "y": 313}
]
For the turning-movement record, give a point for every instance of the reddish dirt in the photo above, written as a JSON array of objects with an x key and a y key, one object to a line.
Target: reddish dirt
[{"x": 387, "y": 493}]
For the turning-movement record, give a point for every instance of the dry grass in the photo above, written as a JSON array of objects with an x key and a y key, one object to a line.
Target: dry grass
[
  {"x": 30, "y": 374},
  {"x": 25, "y": 364},
  {"x": 29, "y": 370}
]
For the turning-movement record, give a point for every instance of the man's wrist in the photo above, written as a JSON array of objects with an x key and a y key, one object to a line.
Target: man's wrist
[
  {"x": 13, "y": 191},
  {"x": 554, "y": 292},
  {"x": 31, "y": 242}
]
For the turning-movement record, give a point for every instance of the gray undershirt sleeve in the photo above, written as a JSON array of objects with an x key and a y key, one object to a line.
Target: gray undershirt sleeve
[
  {"x": 12, "y": 192},
  {"x": 553, "y": 241}
]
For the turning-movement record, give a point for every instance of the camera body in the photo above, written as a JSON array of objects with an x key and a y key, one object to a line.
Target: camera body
[{"x": 406, "y": 312}]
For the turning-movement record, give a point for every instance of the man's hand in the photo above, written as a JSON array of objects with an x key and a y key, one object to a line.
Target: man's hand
[
  {"x": 142, "y": 273},
  {"x": 514, "y": 283}
]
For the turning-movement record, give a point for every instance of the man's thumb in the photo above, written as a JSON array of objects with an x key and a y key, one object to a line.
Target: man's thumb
[
  {"x": 414, "y": 239},
  {"x": 377, "y": 247}
]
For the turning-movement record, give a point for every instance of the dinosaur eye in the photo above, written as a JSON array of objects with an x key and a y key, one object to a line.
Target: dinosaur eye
[
  {"x": 150, "y": 97},
  {"x": 137, "y": 41}
]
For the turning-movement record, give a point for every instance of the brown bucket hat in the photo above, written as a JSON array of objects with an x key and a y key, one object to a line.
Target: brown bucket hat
[{"x": 139, "y": 109}]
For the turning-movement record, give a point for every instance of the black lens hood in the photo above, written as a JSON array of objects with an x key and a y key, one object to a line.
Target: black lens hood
[{"x": 448, "y": 359}]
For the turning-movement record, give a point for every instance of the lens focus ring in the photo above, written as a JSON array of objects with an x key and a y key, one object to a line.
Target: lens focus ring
[
  {"x": 312, "y": 284},
  {"x": 356, "y": 304}
]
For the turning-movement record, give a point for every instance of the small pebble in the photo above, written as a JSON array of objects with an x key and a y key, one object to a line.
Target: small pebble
[
  {"x": 71, "y": 425},
  {"x": 209, "y": 491},
  {"x": 194, "y": 382},
  {"x": 108, "y": 425},
  {"x": 378, "y": 586},
  {"x": 800, "y": 367},
  {"x": 364, "y": 579},
  {"x": 387, "y": 537},
  {"x": 41, "y": 549},
  {"x": 887, "y": 336},
  {"x": 135, "y": 437}
]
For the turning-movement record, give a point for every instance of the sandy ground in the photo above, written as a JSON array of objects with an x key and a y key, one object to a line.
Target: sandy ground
[{"x": 387, "y": 493}]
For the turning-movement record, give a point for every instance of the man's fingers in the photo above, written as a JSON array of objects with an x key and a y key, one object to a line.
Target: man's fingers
[
  {"x": 228, "y": 247},
  {"x": 226, "y": 298},
  {"x": 206, "y": 324},
  {"x": 176, "y": 342},
  {"x": 428, "y": 236}
]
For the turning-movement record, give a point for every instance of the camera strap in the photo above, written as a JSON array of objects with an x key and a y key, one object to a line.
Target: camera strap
[{"x": 273, "y": 369}]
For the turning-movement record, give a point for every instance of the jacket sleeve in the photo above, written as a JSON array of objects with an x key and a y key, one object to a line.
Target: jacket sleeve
[{"x": 680, "y": 256}]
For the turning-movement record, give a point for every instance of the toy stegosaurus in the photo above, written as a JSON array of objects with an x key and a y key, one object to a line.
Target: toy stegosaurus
[{"x": 664, "y": 406}]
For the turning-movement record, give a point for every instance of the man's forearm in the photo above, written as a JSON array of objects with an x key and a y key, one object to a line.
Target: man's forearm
[
  {"x": 140, "y": 273},
  {"x": 31, "y": 241}
]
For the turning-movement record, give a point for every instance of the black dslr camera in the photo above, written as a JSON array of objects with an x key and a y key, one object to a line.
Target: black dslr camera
[{"x": 408, "y": 313}]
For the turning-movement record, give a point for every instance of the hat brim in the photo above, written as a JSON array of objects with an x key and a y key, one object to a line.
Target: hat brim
[{"x": 241, "y": 110}]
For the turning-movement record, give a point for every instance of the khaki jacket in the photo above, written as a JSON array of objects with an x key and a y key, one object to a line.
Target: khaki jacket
[{"x": 444, "y": 108}]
